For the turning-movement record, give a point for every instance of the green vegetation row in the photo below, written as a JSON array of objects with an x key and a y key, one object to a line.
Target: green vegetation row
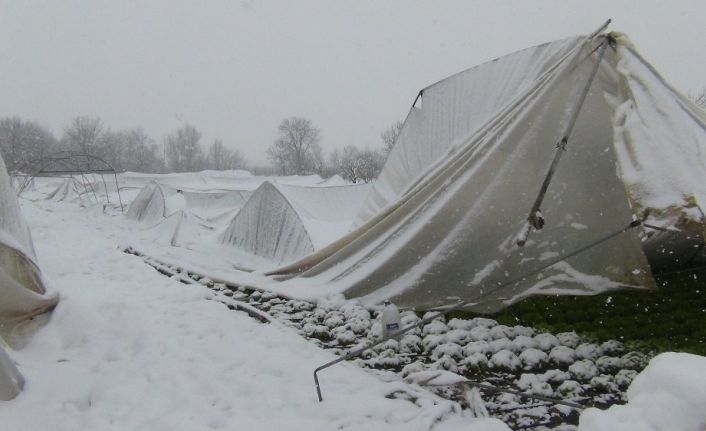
[{"x": 670, "y": 318}]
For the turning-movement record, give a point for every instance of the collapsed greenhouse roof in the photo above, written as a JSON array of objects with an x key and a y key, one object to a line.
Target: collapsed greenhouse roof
[
  {"x": 22, "y": 291},
  {"x": 442, "y": 224}
]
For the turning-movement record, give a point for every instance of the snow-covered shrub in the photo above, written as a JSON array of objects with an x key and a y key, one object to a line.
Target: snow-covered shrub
[
  {"x": 533, "y": 384},
  {"x": 533, "y": 358},
  {"x": 523, "y": 342},
  {"x": 608, "y": 364},
  {"x": 500, "y": 344},
  {"x": 475, "y": 361},
  {"x": 458, "y": 336},
  {"x": 589, "y": 351},
  {"x": 461, "y": 324},
  {"x": 446, "y": 362},
  {"x": 358, "y": 325},
  {"x": 319, "y": 314},
  {"x": 411, "y": 344},
  {"x": 474, "y": 347},
  {"x": 334, "y": 319},
  {"x": 613, "y": 347},
  {"x": 435, "y": 327},
  {"x": 583, "y": 370},
  {"x": 343, "y": 335},
  {"x": 480, "y": 333},
  {"x": 353, "y": 310},
  {"x": 501, "y": 331},
  {"x": 388, "y": 359},
  {"x": 523, "y": 330},
  {"x": 316, "y": 331},
  {"x": 391, "y": 345},
  {"x": 555, "y": 376},
  {"x": 604, "y": 383},
  {"x": 570, "y": 388},
  {"x": 448, "y": 349},
  {"x": 431, "y": 341},
  {"x": 634, "y": 360},
  {"x": 505, "y": 360},
  {"x": 562, "y": 356},
  {"x": 569, "y": 339},
  {"x": 623, "y": 378},
  {"x": 546, "y": 341},
  {"x": 482, "y": 321}
]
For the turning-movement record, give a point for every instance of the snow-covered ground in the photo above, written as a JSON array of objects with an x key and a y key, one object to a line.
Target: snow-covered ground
[{"x": 128, "y": 348}]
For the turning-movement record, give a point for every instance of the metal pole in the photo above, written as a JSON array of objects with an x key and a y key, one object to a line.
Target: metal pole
[
  {"x": 522, "y": 394},
  {"x": 117, "y": 186},
  {"x": 535, "y": 220}
]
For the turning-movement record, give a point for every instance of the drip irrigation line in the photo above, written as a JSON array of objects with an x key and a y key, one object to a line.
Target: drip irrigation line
[{"x": 461, "y": 304}]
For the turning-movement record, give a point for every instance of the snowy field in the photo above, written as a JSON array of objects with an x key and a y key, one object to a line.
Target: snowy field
[{"x": 130, "y": 349}]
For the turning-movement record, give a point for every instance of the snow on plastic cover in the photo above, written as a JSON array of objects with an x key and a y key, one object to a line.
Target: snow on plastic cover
[
  {"x": 285, "y": 222},
  {"x": 660, "y": 139},
  {"x": 22, "y": 292},
  {"x": 453, "y": 109},
  {"x": 451, "y": 236},
  {"x": 157, "y": 201},
  {"x": 149, "y": 205}
]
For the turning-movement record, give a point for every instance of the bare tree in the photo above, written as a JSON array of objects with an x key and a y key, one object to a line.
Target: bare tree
[
  {"x": 357, "y": 165},
  {"x": 296, "y": 150},
  {"x": 389, "y": 136},
  {"x": 345, "y": 163},
  {"x": 23, "y": 144},
  {"x": 83, "y": 135},
  {"x": 141, "y": 153},
  {"x": 112, "y": 147},
  {"x": 183, "y": 153},
  {"x": 219, "y": 157}
]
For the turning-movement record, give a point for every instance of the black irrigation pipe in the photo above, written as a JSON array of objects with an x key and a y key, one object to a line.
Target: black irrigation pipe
[{"x": 460, "y": 305}]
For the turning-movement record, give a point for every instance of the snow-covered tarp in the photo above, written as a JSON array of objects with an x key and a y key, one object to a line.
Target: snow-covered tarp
[
  {"x": 441, "y": 224},
  {"x": 157, "y": 201},
  {"x": 284, "y": 222},
  {"x": 22, "y": 290}
]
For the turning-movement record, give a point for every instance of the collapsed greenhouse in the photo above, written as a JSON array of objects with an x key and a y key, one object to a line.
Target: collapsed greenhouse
[
  {"x": 284, "y": 223},
  {"x": 475, "y": 173},
  {"x": 22, "y": 291}
]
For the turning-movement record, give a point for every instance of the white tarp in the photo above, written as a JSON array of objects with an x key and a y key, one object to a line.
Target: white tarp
[
  {"x": 440, "y": 224},
  {"x": 284, "y": 222},
  {"x": 158, "y": 201},
  {"x": 22, "y": 291}
]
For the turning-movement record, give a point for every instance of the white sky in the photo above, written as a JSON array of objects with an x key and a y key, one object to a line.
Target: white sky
[{"x": 234, "y": 69}]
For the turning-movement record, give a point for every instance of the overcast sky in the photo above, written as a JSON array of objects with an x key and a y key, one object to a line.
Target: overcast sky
[{"x": 234, "y": 69}]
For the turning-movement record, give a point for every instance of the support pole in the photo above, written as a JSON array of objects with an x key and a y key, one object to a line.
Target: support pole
[{"x": 535, "y": 219}]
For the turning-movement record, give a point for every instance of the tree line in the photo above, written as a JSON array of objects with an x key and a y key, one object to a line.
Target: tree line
[
  {"x": 295, "y": 151},
  {"x": 25, "y": 145}
]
